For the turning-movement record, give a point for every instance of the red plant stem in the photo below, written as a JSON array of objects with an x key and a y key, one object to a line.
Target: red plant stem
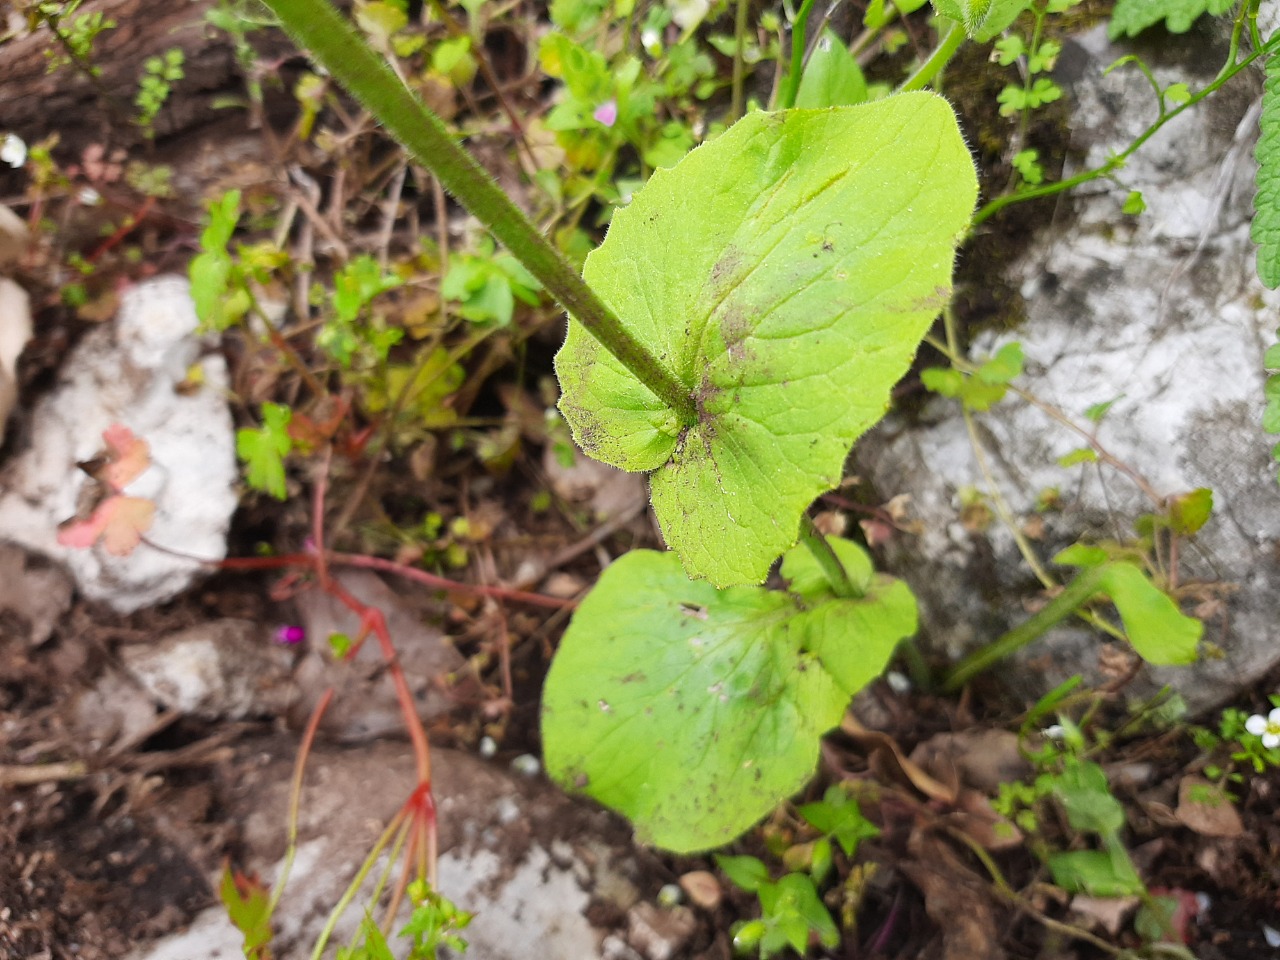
[
  {"x": 123, "y": 230},
  {"x": 390, "y": 566},
  {"x": 421, "y": 805},
  {"x": 371, "y": 618},
  {"x": 444, "y": 583},
  {"x": 317, "y": 517}
]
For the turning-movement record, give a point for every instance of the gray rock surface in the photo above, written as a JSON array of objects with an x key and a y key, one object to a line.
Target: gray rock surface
[
  {"x": 219, "y": 670},
  {"x": 1162, "y": 314},
  {"x": 528, "y": 860},
  {"x": 128, "y": 372}
]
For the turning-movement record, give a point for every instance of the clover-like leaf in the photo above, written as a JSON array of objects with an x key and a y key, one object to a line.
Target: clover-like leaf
[
  {"x": 118, "y": 523},
  {"x": 129, "y": 455},
  {"x": 263, "y": 449},
  {"x": 786, "y": 272},
  {"x": 693, "y": 711}
]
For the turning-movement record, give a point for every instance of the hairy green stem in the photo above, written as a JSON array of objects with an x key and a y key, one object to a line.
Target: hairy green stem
[
  {"x": 1073, "y": 596},
  {"x": 948, "y": 44},
  {"x": 787, "y": 95},
  {"x": 317, "y": 26},
  {"x": 1116, "y": 161},
  {"x": 828, "y": 562}
]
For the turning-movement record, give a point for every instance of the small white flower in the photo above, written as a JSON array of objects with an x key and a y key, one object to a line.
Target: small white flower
[
  {"x": 1055, "y": 732},
  {"x": 89, "y": 196},
  {"x": 651, "y": 40},
  {"x": 13, "y": 151},
  {"x": 1268, "y": 728}
]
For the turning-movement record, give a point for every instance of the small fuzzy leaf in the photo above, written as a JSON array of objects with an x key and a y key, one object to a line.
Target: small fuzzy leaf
[
  {"x": 128, "y": 520},
  {"x": 211, "y": 270},
  {"x": 838, "y": 815},
  {"x": 1266, "y": 200},
  {"x": 1097, "y": 411}
]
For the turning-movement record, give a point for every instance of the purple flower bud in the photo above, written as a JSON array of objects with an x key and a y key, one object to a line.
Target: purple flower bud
[{"x": 289, "y": 635}]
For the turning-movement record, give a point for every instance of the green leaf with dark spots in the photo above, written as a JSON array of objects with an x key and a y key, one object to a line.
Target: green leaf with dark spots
[
  {"x": 693, "y": 710},
  {"x": 786, "y": 272}
]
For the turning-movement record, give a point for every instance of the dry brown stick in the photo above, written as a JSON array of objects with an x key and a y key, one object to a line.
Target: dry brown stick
[{"x": 18, "y": 775}]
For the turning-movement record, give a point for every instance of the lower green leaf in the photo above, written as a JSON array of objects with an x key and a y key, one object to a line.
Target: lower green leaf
[{"x": 694, "y": 711}]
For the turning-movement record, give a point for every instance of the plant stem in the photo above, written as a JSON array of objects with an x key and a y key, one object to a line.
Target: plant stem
[
  {"x": 948, "y": 44},
  {"x": 739, "y": 67},
  {"x": 787, "y": 95},
  {"x": 1116, "y": 161},
  {"x": 1073, "y": 596},
  {"x": 830, "y": 564},
  {"x": 317, "y": 26}
]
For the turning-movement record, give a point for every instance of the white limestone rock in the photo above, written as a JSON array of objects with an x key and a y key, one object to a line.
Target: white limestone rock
[
  {"x": 129, "y": 373},
  {"x": 1162, "y": 314},
  {"x": 526, "y": 859}
]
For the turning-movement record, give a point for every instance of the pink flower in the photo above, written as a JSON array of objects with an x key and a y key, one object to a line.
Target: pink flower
[
  {"x": 607, "y": 113},
  {"x": 289, "y": 635}
]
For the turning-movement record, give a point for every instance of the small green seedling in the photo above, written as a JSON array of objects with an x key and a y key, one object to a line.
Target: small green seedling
[
  {"x": 791, "y": 912},
  {"x": 159, "y": 74},
  {"x": 984, "y": 387},
  {"x": 264, "y": 448}
]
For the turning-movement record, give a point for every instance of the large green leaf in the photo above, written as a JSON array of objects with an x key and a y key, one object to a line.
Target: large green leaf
[
  {"x": 693, "y": 711},
  {"x": 786, "y": 272}
]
